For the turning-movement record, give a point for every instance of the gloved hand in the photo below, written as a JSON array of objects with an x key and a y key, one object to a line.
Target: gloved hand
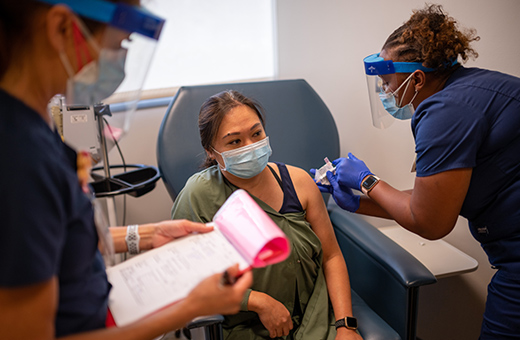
[
  {"x": 343, "y": 196},
  {"x": 323, "y": 188},
  {"x": 350, "y": 171}
]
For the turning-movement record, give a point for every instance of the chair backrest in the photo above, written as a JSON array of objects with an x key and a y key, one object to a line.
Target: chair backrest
[{"x": 300, "y": 127}]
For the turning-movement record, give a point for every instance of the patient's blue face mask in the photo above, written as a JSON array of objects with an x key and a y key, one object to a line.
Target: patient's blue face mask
[
  {"x": 396, "y": 110},
  {"x": 247, "y": 161}
]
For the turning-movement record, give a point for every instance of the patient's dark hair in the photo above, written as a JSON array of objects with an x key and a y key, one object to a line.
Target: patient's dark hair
[
  {"x": 432, "y": 37},
  {"x": 212, "y": 113}
]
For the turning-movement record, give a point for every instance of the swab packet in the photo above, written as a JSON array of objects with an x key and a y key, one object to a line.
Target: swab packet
[{"x": 321, "y": 174}]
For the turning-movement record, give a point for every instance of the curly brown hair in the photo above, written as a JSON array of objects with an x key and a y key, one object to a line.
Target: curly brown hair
[{"x": 432, "y": 37}]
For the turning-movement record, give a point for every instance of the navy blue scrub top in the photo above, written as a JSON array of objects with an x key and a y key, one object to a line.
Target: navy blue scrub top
[
  {"x": 474, "y": 122},
  {"x": 47, "y": 223}
]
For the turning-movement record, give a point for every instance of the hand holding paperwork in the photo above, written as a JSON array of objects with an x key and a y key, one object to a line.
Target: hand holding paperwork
[{"x": 243, "y": 234}]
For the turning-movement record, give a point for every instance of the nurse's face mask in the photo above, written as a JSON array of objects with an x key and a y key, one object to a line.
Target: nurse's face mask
[
  {"x": 388, "y": 98},
  {"x": 383, "y": 104},
  {"x": 97, "y": 79},
  {"x": 247, "y": 161}
]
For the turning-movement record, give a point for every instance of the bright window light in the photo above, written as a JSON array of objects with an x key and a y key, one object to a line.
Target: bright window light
[{"x": 208, "y": 41}]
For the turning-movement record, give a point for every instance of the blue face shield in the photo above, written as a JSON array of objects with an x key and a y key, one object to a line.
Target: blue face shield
[
  {"x": 383, "y": 104},
  {"x": 131, "y": 34},
  {"x": 109, "y": 67}
]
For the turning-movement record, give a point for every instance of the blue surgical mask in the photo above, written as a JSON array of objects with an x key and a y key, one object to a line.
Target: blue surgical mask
[
  {"x": 247, "y": 161},
  {"x": 390, "y": 105},
  {"x": 97, "y": 80}
]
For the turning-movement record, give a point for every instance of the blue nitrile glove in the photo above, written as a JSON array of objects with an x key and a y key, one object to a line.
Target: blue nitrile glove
[
  {"x": 342, "y": 195},
  {"x": 323, "y": 188},
  {"x": 350, "y": 171}
]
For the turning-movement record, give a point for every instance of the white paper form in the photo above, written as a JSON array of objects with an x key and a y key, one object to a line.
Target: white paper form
[{"x": 162, "y": 276}]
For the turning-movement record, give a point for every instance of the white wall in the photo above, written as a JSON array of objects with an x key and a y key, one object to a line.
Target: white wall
[{"x": 325, "y": 43}]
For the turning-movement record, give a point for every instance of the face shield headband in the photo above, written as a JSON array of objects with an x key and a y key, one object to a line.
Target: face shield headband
[
  {"x": 132, "y": 19},
  {"x": 376, "y": 66}
]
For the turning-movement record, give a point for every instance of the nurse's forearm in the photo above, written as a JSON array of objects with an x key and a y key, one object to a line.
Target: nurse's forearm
[
  {"x": 424, "y": 219},
  {"x": 371, "y": 208}
]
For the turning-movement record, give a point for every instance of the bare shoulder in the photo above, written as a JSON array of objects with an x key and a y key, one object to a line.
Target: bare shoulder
[{"x": 299, "y": 176}]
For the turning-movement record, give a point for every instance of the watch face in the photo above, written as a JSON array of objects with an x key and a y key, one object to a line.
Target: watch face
[
  {"x": 351, "y": 323},
  {"x": 369, "y": 182}
]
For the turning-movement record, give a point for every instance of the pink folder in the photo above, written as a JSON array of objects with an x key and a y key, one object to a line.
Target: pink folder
[{"x": 251, "y": 231}]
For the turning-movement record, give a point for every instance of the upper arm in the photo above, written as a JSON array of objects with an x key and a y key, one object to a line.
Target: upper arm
[
  {"x": 316, "y": 210},
  {"x": 436, "y": 201},
  {"x": 29, "y": 312},
  {"x": 192, "y": 201},
  {"x": 449, "y": 134}
]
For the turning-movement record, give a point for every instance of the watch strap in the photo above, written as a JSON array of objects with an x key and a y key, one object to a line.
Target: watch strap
[
  {"x": 132, "y": 239},
  {"x": 347, "y": 322}
]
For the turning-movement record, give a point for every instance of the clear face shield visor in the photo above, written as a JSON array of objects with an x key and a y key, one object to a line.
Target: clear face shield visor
[
  {"x": 115, "y": 58},
  {"x": 382, "y": 82}
]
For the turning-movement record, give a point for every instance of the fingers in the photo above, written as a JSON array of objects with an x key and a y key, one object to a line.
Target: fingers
[
  {"x": 196, "y": 227},
  {"x": 233, "y": 270},
  {"x": 287, "y": 328},
  {"x": 336, "y": 161},
  {"x": 282, "y": 330},
  {"x": 211, "y": 296},
  {"x": 351, "y": 156},
  {"x": 243, "y": 283},
  {"x": 332, "y": 180},
  {"x": 324, "y": 188}
]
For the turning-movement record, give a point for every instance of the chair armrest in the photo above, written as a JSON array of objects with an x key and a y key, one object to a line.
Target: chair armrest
[
  {"x": 203, "y": 321},
  {"x": 371, "y": 326},
  {"x": 384, "y": 275}
]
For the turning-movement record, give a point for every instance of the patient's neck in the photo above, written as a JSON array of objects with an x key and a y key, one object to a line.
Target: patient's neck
[{"x": 264, "y": 186}]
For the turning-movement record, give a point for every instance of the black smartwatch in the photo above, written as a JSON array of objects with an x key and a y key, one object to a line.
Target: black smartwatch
[
  {"x": 347, "y": 322},
  {"x": 369, "y": 183}
]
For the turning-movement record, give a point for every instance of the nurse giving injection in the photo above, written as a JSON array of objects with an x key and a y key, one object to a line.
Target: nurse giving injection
[{"x": 466, "y": 125}]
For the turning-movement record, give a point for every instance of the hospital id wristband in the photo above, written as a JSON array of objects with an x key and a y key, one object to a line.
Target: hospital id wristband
[{"x": 132, "y": 239}]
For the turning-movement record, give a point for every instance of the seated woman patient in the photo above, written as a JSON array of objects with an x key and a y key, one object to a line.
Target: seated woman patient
[{"x": 288, "y": 300}]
